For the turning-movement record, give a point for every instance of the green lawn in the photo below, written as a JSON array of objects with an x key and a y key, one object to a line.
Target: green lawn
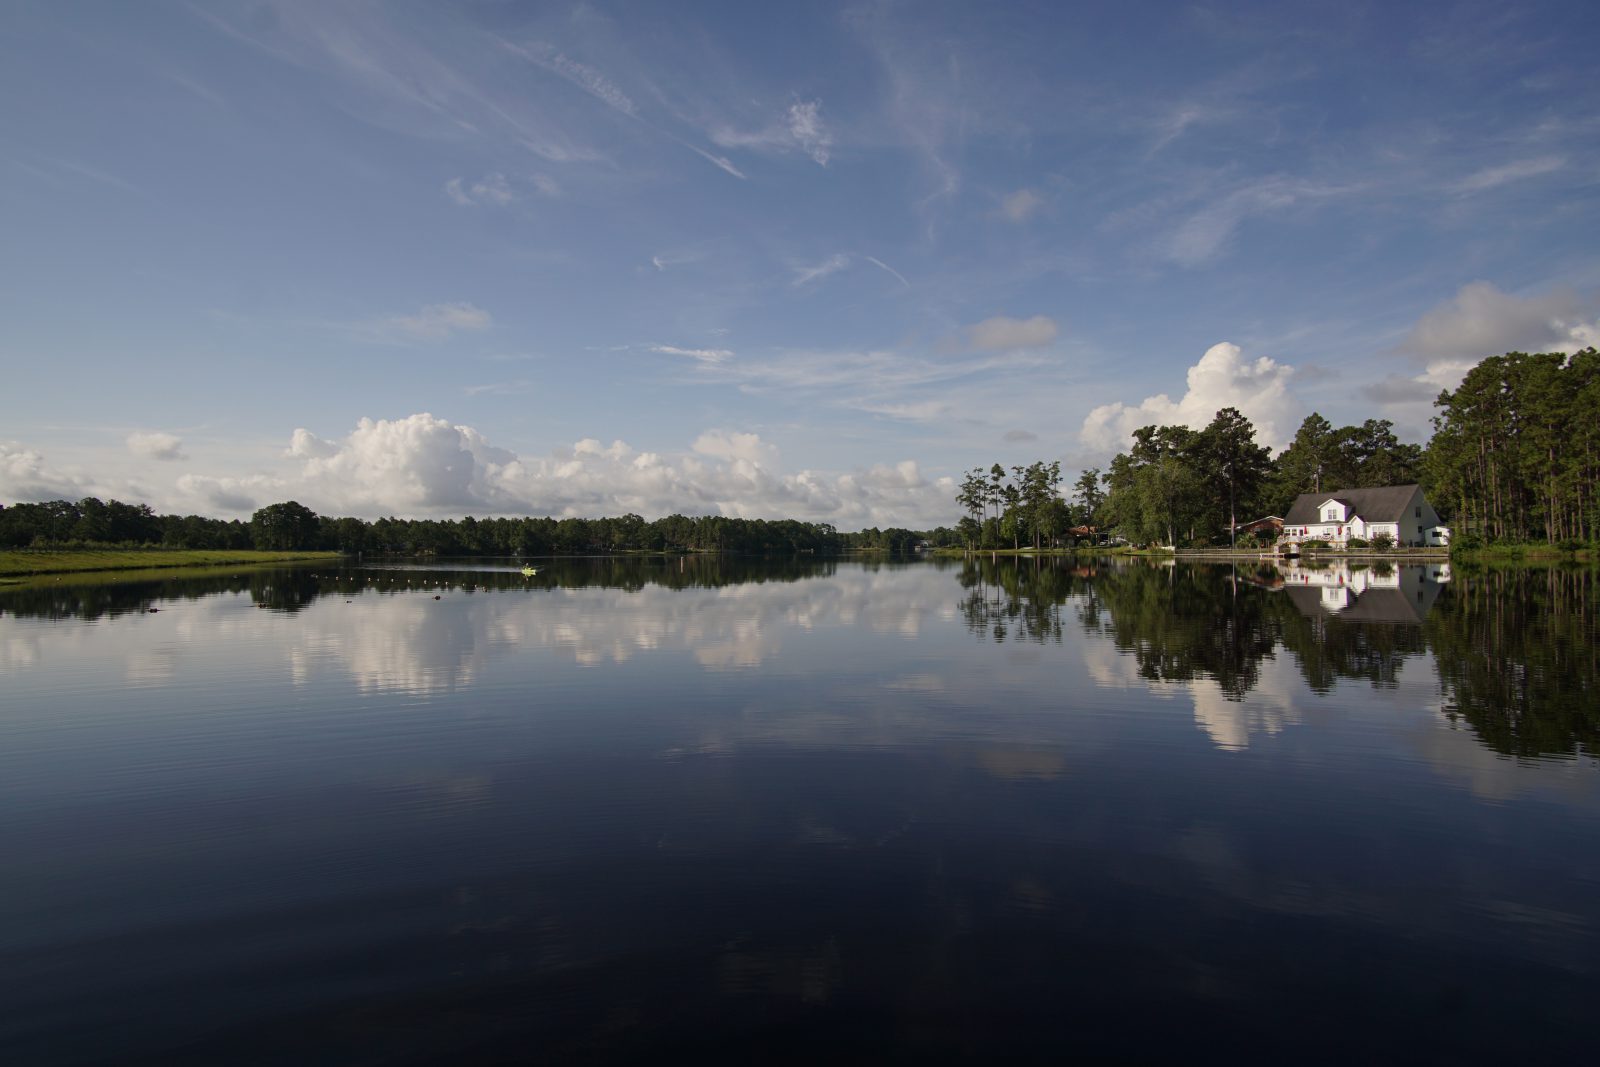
[{"x": 28, "y": 562}]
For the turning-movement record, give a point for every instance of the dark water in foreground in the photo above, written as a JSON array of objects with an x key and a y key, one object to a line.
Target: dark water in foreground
[{"x": 801, "y": 813}]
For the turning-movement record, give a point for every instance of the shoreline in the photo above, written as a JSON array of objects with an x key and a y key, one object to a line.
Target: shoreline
[{"x": 21, "y": 565}]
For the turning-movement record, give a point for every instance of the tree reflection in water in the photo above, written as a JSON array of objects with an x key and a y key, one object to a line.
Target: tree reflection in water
[{"x": 1515, "y": 649}]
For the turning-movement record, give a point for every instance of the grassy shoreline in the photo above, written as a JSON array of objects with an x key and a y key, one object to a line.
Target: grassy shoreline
[{"x": 22, "y": 564}]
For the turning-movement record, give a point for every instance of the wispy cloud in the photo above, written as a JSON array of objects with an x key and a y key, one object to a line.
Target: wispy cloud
[
  {"x": 1019, "y": 205},
  {"x": 808, "y": 130},
  {"x": 491, "y": 189},
  {"x": 881, "y": 265},
  {"x": 832, "y": 265},
  {"x": 514, "y": 388},
  {"x": 1206, "y": 232},
  {"x": 715, "y": 160},
  {"x": 1003, "y": 332},
  {"x": 800, "y": 129},
  {"x": 1493, "y": 177},
  {"x": 434, "y": 322},
  {"x": 711, "y": 356}
]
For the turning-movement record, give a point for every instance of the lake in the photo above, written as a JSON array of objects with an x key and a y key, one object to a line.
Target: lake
[{"x": 800, "y": 811}]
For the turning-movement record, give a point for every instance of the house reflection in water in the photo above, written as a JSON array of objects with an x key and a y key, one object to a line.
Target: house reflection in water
[{"x": 1358, "y": 593}]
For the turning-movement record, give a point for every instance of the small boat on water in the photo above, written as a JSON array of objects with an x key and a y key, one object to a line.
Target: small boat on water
[{"x": 529, "y": 572}]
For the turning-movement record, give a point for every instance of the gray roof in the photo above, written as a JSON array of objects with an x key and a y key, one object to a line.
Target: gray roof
[
  {"x": 1375, "y": 605},
  {"x": 1386, "y": 503}
]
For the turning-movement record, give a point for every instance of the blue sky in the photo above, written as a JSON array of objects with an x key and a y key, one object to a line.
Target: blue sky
[{"x": 809, "y": 260}]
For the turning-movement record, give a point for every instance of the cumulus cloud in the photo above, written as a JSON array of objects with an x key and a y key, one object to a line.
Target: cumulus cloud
[
  {"x": 1001, "y": 332},
  {"x": 1019, "y": 205},
  {"x": 1481, "y": 321},
  {"x": 436, "y": 322},
  {"x": 739, "y": 447},
  {"x": 422, "y": 465},
  {"x": 26, "y": 476},
  {"x": 1222, "y": 378},
  {"x": 1478, "y": 322},
  {"x": 304, "y": 444},
  {"x": 230, "y": 494},
  {"x": 702, "y": 355},
  {"x": 158, "y": 446}
]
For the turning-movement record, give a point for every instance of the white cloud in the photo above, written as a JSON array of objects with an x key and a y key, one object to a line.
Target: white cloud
[
  {"x": 799, "y": 129},
  {"x": 739, "y": 447},
  {"x": 1019, "y": 205},
  {"x": 585, "y": 77},
  {"x": 422, "y": 465},
  {"x": 25, "y": 476},
  {"x": 809, "y": 132},
  {"x": 492, "y": 189},
  {"x": 1493, "y": 177},
  {"x": 434, "y": 322},
  {"x": 1001, "y": 332},
  {"x": 159, "y": 446},
  {"x": 306, "y": 445},
  {"x": 881, "y": 265},
  {"x": 1481, "y": 321},
  {"x": 703, "y": 355},
  {"x": 720, "y": 162},
  {"x": 1204, "y": 234},
  {"x": 229, "y": 494},
  {"x": 832, "y": 265},
  {"x": 1222, "y": 378}
]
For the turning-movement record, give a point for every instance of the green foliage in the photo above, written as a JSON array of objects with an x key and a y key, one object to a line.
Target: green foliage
[
  {"x": 1383, "y": 541},
  {"x": 1322, "y": 458},
  {"x": 1357, "y": 542},
  {"x": 1516, "y": 448},
  {"x": 290, "y": 526}
]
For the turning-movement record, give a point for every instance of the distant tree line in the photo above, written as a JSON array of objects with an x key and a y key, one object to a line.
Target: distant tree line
[{"x": 290, "y": 526}]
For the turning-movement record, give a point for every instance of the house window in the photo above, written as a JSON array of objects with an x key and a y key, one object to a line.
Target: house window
[{"x": 1419, "y": 513}]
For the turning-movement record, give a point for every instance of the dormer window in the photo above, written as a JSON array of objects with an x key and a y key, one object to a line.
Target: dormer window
[{"x": 1333, "y": 514}]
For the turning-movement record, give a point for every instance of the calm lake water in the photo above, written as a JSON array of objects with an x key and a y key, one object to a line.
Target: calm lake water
[{"x": 801, "y": 812}]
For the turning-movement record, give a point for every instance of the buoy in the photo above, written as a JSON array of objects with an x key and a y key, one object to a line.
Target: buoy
[{"x": 436, "y": 598}]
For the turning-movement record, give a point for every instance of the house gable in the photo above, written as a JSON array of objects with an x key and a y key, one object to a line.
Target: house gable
[{"x": 1398, "y": 511}]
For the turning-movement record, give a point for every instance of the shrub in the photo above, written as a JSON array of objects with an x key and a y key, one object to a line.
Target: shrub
[
  {"x": 1358, "y": 542},
  {"x": 1315, "y": 542},
  {"x": 1383, "y": 541}
]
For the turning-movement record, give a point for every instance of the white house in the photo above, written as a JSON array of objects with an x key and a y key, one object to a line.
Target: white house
[{"x": 1399, "y": 511}]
